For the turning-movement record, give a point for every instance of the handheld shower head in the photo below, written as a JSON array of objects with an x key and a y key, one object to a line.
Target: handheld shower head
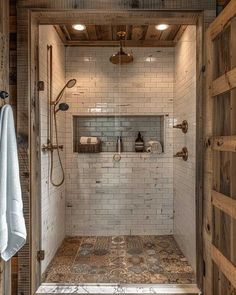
[{"x": 70, "y": 84}]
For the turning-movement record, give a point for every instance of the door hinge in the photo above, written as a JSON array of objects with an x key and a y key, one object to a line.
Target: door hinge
[
  {"x": 40, "y": 255},
  {"x": 40, "y": 85}
]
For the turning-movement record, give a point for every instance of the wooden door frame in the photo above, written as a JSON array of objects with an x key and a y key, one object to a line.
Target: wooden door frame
[
  {"x": 35, "y": 17},
  {"x": 212, "y": 198}
]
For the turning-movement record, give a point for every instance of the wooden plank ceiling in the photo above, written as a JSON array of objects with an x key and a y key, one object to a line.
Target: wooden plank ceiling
[{"x": 106, "y": 35}]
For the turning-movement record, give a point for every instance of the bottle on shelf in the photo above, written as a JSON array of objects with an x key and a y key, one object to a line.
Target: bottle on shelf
[
  {"x": 139, "y": 144},
  {"x": 119, "y": 145}
]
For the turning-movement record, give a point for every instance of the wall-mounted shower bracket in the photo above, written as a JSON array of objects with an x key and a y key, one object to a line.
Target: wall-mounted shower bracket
[
  {"x": 40, "y": 255},
  {"x": 183, "y": 126},
  {"x": 51, "y": 147},
  {"x": 182, "y": 154},
  {"x": 41, "y": 86}
]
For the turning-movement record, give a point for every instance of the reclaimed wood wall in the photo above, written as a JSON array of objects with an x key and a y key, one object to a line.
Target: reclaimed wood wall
[
  {"x": 4, "y": 76},
  {"x": 220, "y": 156}
]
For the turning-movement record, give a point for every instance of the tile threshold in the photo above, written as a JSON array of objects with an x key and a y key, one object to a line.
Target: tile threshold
[{"x": 53, "y": 288}]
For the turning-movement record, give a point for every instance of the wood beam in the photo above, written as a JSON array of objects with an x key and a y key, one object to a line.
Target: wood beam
[
  {"x": 66, "y": 32},
  {"x": 165, "y": 34},
  {"x": 128, "y": 43},
  {"x": 104, "y": 32},
  {"x": 219, "y": 24},
  {"x": 60, "y": 33},
  {"x": 225, "y": 266},
  {"x": 224, "y": 143},
  {"x": 224, "y": 83},
  {"x": 116, "y": 18},
  {"x": 180, "y": 33},
  {"x": 91, "y": 31},
  {"x": 174, "y": 31},
  {"x": 152, "y": 33},
  {"x": 223, "y": 2},
  {"x": 224, "y": 203}
]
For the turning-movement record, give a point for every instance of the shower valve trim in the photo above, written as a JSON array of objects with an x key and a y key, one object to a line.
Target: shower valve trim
[{"x": 51, "y": 147}]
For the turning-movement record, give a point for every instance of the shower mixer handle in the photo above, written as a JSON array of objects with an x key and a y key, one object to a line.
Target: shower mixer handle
[
  {"x": 182, "y": 154},
  {"x": 183, "y": 126},
  {"x": 51, "y": 147}
]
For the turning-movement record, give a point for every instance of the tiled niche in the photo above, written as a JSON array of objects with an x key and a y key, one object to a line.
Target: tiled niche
[{"x": 108, "y": 128}]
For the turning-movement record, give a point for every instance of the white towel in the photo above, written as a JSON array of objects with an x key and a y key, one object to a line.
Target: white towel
[
  {"x": 12, "y": 223},
  {"x": 88, "y": 140}
]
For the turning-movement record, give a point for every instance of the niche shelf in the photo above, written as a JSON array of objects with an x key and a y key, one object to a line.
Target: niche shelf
[{"x": 108, "y": 127}]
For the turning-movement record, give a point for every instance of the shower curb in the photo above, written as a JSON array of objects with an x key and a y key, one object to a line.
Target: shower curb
[{"x": 110, "y": 289}]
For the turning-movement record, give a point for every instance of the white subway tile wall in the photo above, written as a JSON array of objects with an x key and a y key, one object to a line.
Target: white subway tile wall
[
  {"x": 134, "y": 196},
  {"x": 52, "y": 198},
  {"x": 184, "y": 172}
]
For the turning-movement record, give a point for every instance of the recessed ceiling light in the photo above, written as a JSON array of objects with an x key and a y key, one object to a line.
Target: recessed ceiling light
[
  {"x": 79, "y": 27},
  {"x": 162, "y": 27}
]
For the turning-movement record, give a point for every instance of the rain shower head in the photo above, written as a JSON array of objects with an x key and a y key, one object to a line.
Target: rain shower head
[
  {"x": 121, "y": 57},
  {"x": 70, "y": 84}
]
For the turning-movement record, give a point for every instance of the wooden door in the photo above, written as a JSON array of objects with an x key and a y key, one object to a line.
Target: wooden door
[
  {"x": 219, "y": 228},
  {"x": 4, "y": 85}
]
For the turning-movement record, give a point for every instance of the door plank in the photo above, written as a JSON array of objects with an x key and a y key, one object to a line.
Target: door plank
[
  {"x": 233, "y": 131},
  {"x": 224, "y": 203},
  {"x": 224, "y": 143},
  {"x": 208, "y": 172},
  {"x": 224, "y": 83},
  {"x": 227, "y": 268},
  {"x": 220, "y": 23}
]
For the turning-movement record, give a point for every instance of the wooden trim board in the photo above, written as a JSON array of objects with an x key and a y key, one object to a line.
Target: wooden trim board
[
  {"x": 220, "y": 23},
  {"x": 224, "y": 203},
  {"x": 128, "y": 43},
  {"x": 227, "y": 268},
  {"x": 224, "y": 83},
  {"x": 224, "y": 143},
  {"x": 114, "y": 17}
]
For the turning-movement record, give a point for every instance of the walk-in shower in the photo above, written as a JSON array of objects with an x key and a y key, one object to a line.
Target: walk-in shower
[
  {"x": 53, "y": 110},
  {"x": 119, "y": 216}
]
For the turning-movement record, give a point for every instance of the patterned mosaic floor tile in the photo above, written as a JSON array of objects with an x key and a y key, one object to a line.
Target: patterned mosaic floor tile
[{"x": 120, "y": 259}]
